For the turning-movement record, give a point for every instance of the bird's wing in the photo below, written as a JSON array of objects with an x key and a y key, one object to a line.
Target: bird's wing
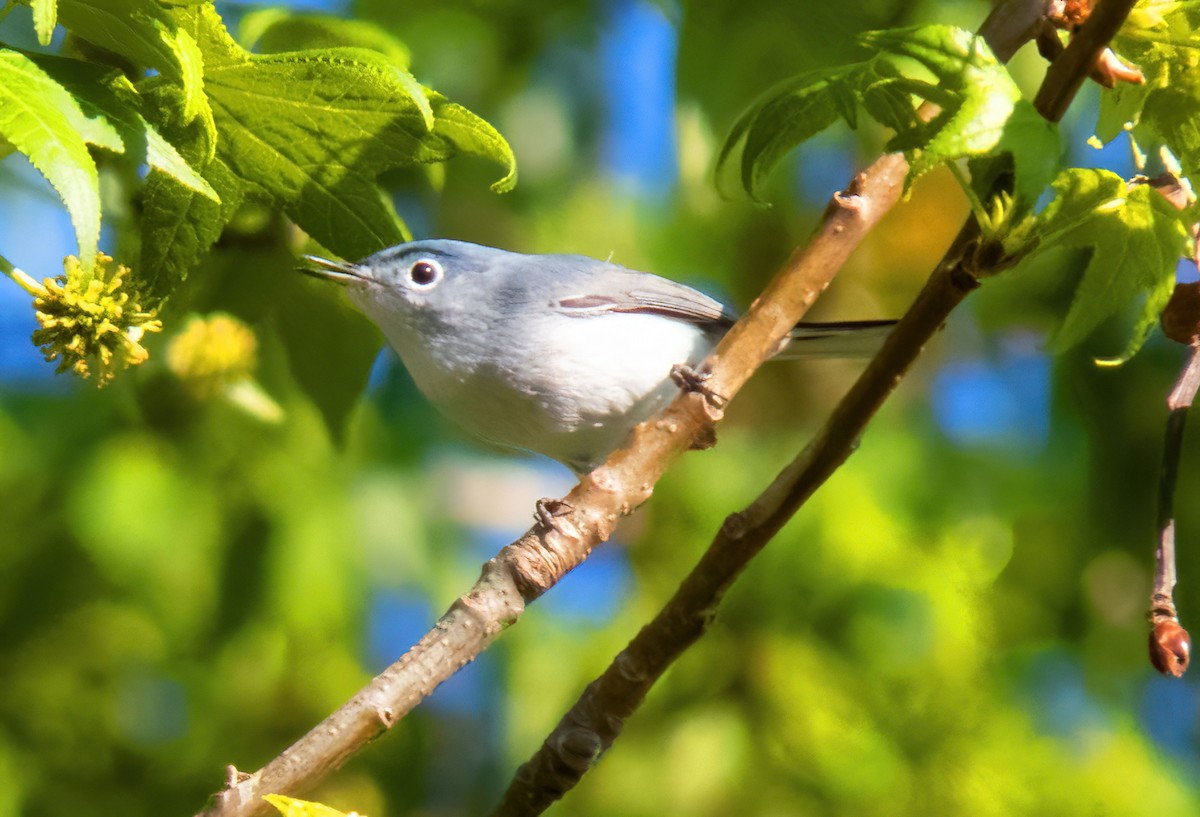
[{"x": 616, "y": 289}]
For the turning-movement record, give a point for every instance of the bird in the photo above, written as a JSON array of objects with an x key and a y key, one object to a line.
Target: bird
[{"x": 560, "y": 355}]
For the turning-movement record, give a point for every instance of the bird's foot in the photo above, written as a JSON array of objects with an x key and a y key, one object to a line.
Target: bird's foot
[
  {"x": 691, "y": 380},
  {"x": 547, "y": 512}
]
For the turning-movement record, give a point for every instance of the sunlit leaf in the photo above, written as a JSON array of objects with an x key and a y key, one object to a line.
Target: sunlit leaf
[
  {"x": 1135, "y": 237},
  {"x": 1164, "y": 42},
  {"x": 470, "y": 134},
  {"x": 144, "y": 32},
  {"x": 272, "y": 30},
  {"x": 291, "y": 807},
  {"x": 112, "y": 120},
  {"x": 45, "y": 18},
  {"x": 980, "y": 109},
  {"x": 313, "y": 130},
  {"x": 40, "y": 118}
]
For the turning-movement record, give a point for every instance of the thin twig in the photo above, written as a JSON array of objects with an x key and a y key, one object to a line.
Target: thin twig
[
  {"x": 1069, "y": 69},
  {"x": 1170, "y": 646}
]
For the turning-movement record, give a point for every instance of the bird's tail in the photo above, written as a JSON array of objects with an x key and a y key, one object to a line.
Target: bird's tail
[{"x": 836, "y": 339}]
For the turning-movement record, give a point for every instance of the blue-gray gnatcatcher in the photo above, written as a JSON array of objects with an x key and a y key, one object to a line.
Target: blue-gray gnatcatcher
[{"x": 558, "y": 354}]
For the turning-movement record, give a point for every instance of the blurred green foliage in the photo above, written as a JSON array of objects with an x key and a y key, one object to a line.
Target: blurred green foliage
[{"x": 953, "y": 626}]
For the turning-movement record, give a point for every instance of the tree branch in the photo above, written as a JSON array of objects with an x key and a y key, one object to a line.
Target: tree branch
[
  {"x": 1070, "y": 68},
  {"x": 525, "y": 569},
  {"x": 598, "y": 716}
]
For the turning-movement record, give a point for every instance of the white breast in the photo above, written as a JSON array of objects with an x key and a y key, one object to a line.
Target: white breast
[{"x": 573, "y": 395}]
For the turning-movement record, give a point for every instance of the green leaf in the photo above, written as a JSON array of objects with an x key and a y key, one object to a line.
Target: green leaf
[
  {"x": 45, "y": 18},
  {"x": 981, "y": 110},
  {"x": 1136, "y": 238},
  {"x": 179, "y": 225},
  {"x": 786, "y": 117},
  {"x": 1166, "y": 109},
  {"x": 273, "y": 30},
  {"x": 205, "y": 26},
  {"x": 111, "y": 119},
  {"x": 40, "y": 118},
  {"x": 1034, "y": 145},
  {"x": 146, "y": 33},
  {"x": 313, "y": 130},
  {"x": 470, "y": 134}
]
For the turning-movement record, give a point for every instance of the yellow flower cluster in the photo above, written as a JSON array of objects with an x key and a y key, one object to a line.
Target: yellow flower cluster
[
  {"x": 212, "y": 353},
  {"x": 88, "y": 323},
  {"x": 214, "y": 357}
]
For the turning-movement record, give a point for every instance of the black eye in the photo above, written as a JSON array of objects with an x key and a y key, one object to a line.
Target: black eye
[{"x": 425, "y": 273}]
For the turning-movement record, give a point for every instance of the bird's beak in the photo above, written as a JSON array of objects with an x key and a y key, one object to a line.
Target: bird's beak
[{"x": 340, "y": 272}]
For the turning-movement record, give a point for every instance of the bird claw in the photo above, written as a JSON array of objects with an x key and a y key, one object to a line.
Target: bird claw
[
  {"x": 693, "y": 381},
  {"x": 547, "y": 511}
]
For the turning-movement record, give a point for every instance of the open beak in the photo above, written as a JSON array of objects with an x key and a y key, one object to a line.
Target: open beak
[{"x": 340, "y": 272}]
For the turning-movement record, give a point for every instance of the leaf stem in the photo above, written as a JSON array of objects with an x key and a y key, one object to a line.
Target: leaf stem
[{"x": 981, "y": 213}]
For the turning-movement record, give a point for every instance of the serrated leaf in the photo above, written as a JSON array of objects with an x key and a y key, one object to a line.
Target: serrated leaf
[
  {"x": 179, "y": 225},
  {"x": 45, "y": 18},
  {"x": 274, "y": 30},
  {"x": 112, "y": 119},
  {"x": 978, "y": 99},
  {"x": 1164, "y": 42},
  {"x": 951, "y": 54},
  {"x": 786, "y": 117},
  {"x": 1135, "y": 237},
  {"x": 314, "y": 129},
  {"x": 470, "y": 134},
  {"x": 144, "y": 32},
  {"x": 39, "y": 117},
  {"x": 981, "y": 110},
  {"x": 204, "y": 25}
]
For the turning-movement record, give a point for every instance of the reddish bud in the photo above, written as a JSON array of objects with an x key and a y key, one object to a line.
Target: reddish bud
[
  {"x": 1170, "y": 648},
  {"x": 1181, "y": 317}
]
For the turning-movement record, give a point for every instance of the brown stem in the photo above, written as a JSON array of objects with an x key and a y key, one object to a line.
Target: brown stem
[
  {"x": 1071, "y": 68},
  {"x": 1170, "y": 646},
  {"x": 527, "y": 568},
  {"x": 598, "y": 716}
]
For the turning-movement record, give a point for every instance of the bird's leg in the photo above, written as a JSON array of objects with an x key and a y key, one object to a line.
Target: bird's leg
[
  {"x": 691, "y": 380},
  {"x": 546, "y": 512}
]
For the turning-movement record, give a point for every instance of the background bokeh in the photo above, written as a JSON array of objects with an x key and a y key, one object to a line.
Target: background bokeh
[{"x": 954, "y": 625}]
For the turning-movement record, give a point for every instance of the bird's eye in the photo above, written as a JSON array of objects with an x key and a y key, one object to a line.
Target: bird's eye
[{"x": 425, "y": 273}]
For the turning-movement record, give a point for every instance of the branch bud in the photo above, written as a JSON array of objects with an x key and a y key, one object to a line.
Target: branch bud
[
  {"x": 1170, "y": 647},
  {"x": 1181, "y": 316}
]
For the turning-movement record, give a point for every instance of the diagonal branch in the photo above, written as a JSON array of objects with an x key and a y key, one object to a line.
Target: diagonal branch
[
  {"x": 597, "y": 718},
  {"x": 1070, "y": 68},
  {"x": 525, "y": 569}
]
